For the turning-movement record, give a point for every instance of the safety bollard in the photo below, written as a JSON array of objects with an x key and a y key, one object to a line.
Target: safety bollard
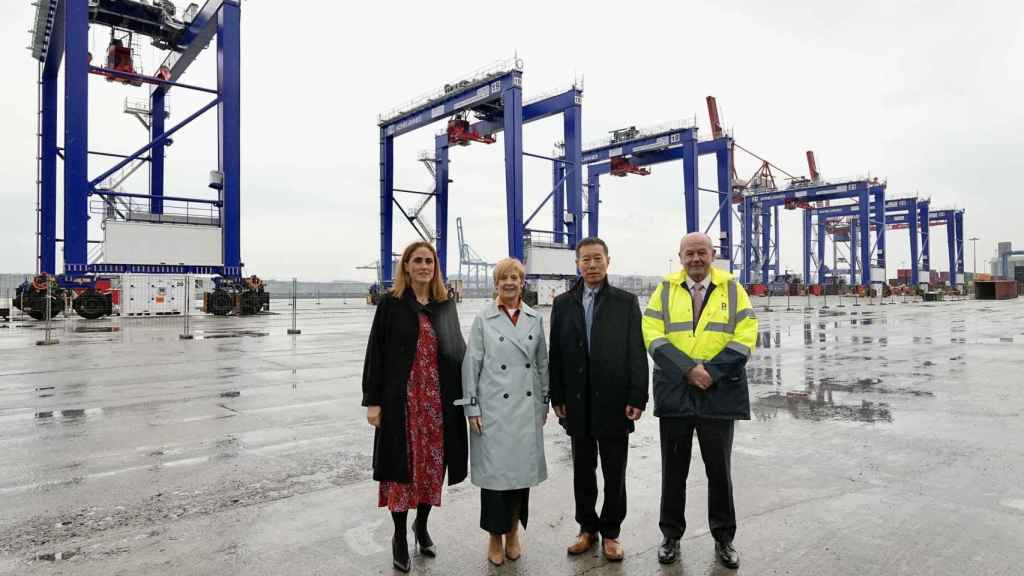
[
  {"x": 48, "y": 339},
  {"x": 186, "y": 330},
  {"x": 294, "y": 329}
]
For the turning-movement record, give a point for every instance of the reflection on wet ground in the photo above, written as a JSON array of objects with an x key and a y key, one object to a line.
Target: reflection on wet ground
[{"x": 127, "y": 450}]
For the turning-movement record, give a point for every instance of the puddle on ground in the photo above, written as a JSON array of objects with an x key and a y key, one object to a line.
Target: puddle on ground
[
  {"x": 96, "y": 329},
  {"x": 70, "y": 414},
  {"x": 229, "y": 334},
  {"x": 804, "y": 406},
  {"x": 57, "y": 556}
]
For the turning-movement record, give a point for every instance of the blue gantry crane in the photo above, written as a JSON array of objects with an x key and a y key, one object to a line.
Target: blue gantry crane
[
  {"x": 801, "y": 195},
  {"x": 476, "y": 108},
  {"x": 900, "y": 215},
  {"x": 821, "y": 217},
  {"x": 631, "y": 151},
  {"x": 60, "y": 41}
]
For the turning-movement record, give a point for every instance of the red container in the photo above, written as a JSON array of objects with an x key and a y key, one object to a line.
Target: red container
[{"x": 995, "y": 289}]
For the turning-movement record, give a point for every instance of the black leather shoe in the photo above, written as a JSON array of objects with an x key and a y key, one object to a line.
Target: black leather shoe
[
  {"x": 727, "y": 555},
  {"x": 668, "y": 552},
  {"x": 400, "y": 553}
]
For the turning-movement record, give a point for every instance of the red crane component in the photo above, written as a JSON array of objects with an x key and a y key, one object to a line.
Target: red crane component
[
  {"x": 620, "y": 166},
  {"x": 460, "y": 133},
  {"x": 119, "y": 57},
  {"x": 793, "y": 204},
  {"x": 716, "y": 124},
  {"x": 812, "y": 166}
]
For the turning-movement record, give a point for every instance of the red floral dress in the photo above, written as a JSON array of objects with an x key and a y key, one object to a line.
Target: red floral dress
[{"x": 424, "y": 430}]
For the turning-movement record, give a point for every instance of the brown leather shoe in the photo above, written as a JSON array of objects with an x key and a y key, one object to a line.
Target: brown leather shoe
[
  {"x": 494, "y": 550},
  {"x": 513, "y": 549},
  {"x": 612, "y": 550},
  {"x": 584, "y": 541}
]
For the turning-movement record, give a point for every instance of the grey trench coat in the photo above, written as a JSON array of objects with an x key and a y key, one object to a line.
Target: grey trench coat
[{"x": 505, "y": 382}]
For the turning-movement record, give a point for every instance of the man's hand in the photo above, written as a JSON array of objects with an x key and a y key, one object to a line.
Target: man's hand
[
  {"x": 560, "y": 410},
  {"x": 475, "y": 424},
  {"x": 633, "y": 413},
  {"x": 373, "y": 416},
  {"x": 699, "y": 377}
]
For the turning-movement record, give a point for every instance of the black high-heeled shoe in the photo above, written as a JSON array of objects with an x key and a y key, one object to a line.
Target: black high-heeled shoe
[
  {"x": 400, "y": 553},
  {"x": 419, "y": 529},
  {"x": 426, "y": 545}
]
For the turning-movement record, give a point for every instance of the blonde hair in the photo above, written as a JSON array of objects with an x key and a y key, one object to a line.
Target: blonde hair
[
  {"x": 402, "y": 281},
  {"x": 507, "y": 266}
]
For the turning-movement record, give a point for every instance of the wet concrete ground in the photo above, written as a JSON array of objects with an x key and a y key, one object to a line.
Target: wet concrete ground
[{"x": 885, "y": 440}]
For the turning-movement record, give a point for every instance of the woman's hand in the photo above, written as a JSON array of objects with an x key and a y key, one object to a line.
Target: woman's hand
[
  {"x": 475, "y": 424},
  {"x": 373, "y": 416}
]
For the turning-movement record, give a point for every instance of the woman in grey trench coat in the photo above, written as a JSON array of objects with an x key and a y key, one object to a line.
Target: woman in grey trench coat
[{"x": 505, "y": 394}]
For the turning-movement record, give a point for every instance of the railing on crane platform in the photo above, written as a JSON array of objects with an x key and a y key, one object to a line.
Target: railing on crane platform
[
  {"x": 478, "y": 76},
  {"x": 176, "y": 211},
  {"x": 634, "y": 133}
]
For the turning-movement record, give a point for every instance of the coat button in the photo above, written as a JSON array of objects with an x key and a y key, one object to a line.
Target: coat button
[
  {"x": 527, "y": 365},
  {"x": 577, "y": 396},
  {"x": 530, "y": 337},
  {"x": 528, "y": 393},
  {"x": 505, "y": 395},
  {"x": 597, "y": 394},
  {"x": 581, "y": 370},
  {"x": 501, "y": 338},
  {"x": 502, "y": 366}
]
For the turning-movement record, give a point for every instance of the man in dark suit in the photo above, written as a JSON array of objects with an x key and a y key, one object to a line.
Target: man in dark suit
[{"x": 599, "y": 376}]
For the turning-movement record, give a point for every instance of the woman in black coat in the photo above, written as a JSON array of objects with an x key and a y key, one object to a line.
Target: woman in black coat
[{"x": 411, "y": 379}]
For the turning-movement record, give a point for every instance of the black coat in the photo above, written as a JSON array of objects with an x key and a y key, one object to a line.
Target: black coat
[
  {"x": 389, "y": 357},
  {"x": 596, "y": 386}
]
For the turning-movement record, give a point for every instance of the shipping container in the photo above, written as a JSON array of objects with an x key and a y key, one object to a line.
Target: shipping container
[{"x": 995, "y": 289}]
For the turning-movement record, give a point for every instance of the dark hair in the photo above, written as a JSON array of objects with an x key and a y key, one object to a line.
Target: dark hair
[{"x": 591, "y": 241}]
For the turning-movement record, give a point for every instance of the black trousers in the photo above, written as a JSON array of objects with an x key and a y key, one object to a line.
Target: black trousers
[
  {"x": 501, "y": 509},
  {"x": 715, "y": 439},
  {"x": 613, "y": 452}
]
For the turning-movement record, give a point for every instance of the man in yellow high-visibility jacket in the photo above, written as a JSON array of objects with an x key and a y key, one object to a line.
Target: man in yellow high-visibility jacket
[{"x": 699, "y": 329}]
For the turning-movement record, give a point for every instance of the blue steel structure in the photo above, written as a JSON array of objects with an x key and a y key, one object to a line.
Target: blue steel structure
[
  {"x": 495, "y": 99},
  {"x": 907, "y": 207},
  {"x": 631, "y": 152},
  {"x": 61, "y": 35},
  {"x": 952, "y": 219},
  {"x": 862, "y": 190}
]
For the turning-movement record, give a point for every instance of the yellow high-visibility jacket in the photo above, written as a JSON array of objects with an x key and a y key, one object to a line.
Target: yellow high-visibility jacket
[{"x": 722, "y": 339}]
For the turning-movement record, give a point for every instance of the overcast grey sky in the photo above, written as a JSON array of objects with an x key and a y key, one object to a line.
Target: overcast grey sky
[{"x": 925, "y": 94}]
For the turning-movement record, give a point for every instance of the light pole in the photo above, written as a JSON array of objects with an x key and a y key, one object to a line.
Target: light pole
[{"x": 974, "y": 250}]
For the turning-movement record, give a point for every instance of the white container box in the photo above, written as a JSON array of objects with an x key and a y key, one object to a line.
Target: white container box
[
  {"x": 152, "y": 295},
  {"x": 547, "y": 289}
]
